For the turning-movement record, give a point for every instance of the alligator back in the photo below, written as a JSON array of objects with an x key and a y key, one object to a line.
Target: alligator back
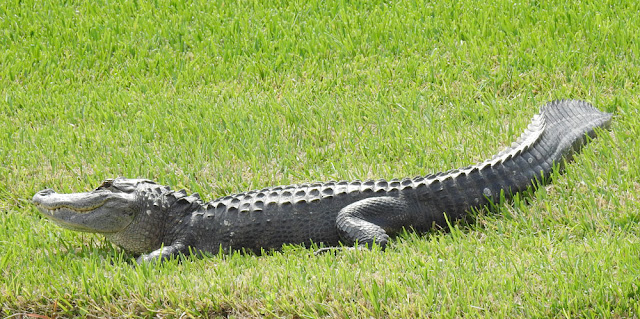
[{"x": 302, "y": 214}]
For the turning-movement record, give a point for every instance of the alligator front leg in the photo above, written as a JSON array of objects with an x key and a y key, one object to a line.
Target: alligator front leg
[
  {"x": 372, "y": 220},
  {"x": 164, "y": 253}
]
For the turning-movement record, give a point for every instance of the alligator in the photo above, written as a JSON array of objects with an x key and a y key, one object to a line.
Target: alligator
[{"x": 154, "y": 222}]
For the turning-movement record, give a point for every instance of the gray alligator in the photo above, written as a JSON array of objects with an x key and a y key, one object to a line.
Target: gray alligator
[{"x": 157, "y": 223}]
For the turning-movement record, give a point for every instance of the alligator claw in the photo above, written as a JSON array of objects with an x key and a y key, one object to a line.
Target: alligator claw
[{"x": 335, "y": 250}]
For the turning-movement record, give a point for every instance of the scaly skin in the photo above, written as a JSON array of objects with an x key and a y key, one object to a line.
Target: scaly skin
[{"x": 156, "y": 222}]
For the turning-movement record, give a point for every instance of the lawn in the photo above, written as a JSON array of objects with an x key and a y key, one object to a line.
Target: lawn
[{"x": 221, "y": 97}]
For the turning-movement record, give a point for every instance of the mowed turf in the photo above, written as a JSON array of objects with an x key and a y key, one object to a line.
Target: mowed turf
[{"x": 221, "y": 97}]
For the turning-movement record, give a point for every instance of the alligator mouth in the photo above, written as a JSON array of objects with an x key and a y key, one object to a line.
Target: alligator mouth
[
  {"x": 65, "y": 216},
  {"x": 52, "y": 210}
]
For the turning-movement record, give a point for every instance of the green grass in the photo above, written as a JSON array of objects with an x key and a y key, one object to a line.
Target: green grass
[{"x": 221, "y": 97}]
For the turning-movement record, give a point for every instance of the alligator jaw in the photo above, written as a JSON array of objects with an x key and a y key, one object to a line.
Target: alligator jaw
[{"x": 99, "y": 211}]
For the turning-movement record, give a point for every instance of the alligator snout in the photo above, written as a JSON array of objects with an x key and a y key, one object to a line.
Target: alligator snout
[{"x": 42, "y": 193}]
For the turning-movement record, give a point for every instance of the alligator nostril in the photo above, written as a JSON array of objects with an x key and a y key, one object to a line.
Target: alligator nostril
[{"x": 45, "y": 192}]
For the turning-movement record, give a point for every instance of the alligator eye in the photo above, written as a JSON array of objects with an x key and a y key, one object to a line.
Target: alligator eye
[{"x": 106, "y": 184}]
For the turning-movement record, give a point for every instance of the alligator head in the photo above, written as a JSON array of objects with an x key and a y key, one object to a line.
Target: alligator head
[
  {"x": 109, "y": 208},
  {"x": 131, "y": 213}
]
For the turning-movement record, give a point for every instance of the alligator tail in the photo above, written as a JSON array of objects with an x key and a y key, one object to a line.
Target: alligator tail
[{"x": 553, "y": 137}]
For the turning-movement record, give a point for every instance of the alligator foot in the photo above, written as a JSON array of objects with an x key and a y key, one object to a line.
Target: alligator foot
[{"x": 163, "y": 254}]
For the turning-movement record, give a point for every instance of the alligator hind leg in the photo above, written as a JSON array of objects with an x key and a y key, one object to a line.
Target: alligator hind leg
[{"x": 372, "y": 220}]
